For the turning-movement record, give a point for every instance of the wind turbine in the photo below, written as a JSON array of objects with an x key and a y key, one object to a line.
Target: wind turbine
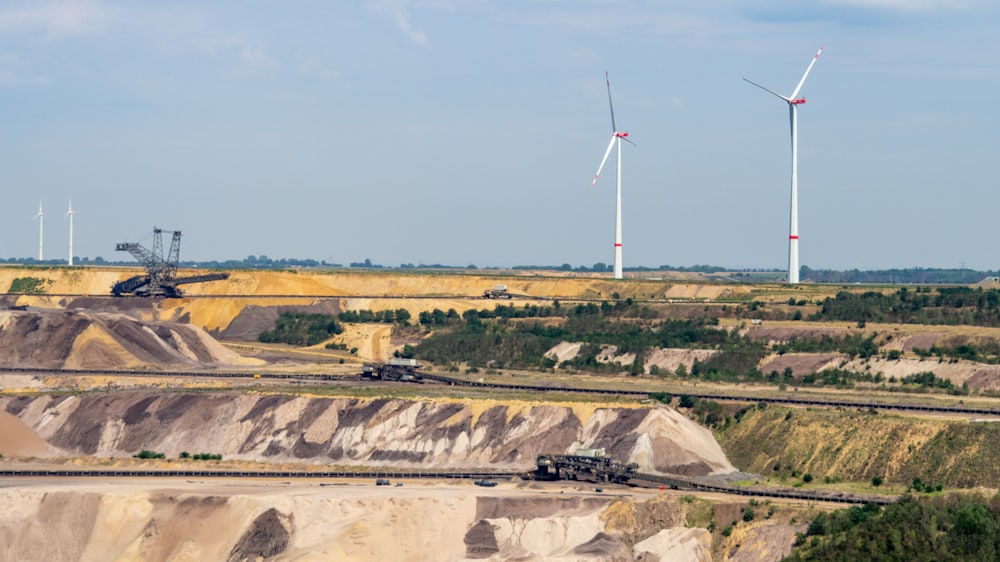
[
  {"x": 69, "y": 215},
  {"x": 616, "y": 138},
  {"x": 41, "y": 230},
  {"x": 793, "y": 230}
]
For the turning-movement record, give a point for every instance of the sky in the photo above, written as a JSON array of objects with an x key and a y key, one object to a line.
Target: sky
[{"x": 468, "y": 131}]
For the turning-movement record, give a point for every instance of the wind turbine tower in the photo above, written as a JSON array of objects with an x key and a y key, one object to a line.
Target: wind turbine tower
[
  {"x": 616, "y": 138},
  {"x": 41, "y": 231},
  {"x": 793, "y": 230},
  {"x": 69, "y": 215}
]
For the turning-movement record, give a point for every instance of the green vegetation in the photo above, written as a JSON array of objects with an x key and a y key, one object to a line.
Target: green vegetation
[
  {"x": 699, "y": 513},
  {"x": 984, "y": 350},
  {"x": 302, "y": 329},
  {"x": 939, "y": 529},
  {"x": 510, "y": 336},
  {"x": 914, "y": 276},
  {"x": 146, "y": 454},
  {"x": 959, "y": 456},
  {"x": 928, "y": 380},
  {"x": 206, "y": 457},
  {"x": 856, "y": 446},
  {"x": 505, "y": 337},
  {"x": 951, "y": 305},
  {"x": 852, "y": 345},
  {"x": 399, "y": 316},
  {"x": 27, "y": 286}
]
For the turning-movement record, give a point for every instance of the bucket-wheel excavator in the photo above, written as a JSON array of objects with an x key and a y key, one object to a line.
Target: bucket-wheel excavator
[{"x": 160, "y": 279}]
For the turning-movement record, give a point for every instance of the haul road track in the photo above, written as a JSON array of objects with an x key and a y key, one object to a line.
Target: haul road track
[
  {"x": 638, "y": 480},
  {"x": 640, "y": 394}
]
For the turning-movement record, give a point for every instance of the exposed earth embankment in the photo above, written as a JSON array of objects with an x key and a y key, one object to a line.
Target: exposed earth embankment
[
  {"x": 369, "y": 432},
  {"x": 73, "y": 339},
  {"x": 853, "y": 445}
]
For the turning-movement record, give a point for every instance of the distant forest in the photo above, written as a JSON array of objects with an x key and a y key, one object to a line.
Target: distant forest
[{"x": 909, "y": 276}]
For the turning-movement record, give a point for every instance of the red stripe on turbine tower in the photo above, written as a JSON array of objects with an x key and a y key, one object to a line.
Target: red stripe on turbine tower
[
  {"x": 793, "y": 237},
  {"x": 618, "y": 245}
]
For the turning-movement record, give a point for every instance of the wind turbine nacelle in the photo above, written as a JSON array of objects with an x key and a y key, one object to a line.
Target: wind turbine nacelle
[
  {"x": 625, "y": 134},
  {"x": 799, "y": 101}
]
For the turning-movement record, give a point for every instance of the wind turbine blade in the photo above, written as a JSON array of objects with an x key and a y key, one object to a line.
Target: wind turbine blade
[
  {"x": 614, "y": 127},
  {"x": 767, "y": 90},
  {"x": 626, "y": 139},
  {"x": 803, "y": 81},
  {"x": 603, "y": 160}
]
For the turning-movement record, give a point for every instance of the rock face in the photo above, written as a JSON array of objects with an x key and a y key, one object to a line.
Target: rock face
[
  {"x": 351, "y": 431},
  {"x": 106, "y": 340}
]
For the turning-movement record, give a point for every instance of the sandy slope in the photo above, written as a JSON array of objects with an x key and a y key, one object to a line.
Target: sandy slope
[
  {"x": 85, "y": 340},
  {"x": 19, "y": 440},
  {"x": 153, "y": 519}
]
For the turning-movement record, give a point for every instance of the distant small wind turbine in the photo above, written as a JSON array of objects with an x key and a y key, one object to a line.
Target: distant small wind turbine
[
  {"x": 793, "y": 230},
  {"x": 69, "y": 215},
  {"x": 41, "y": 231},
  {"x": 616, "y": 137}
]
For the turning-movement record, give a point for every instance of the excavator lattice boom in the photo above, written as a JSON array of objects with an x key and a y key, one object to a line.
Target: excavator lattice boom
[{"x": 160, "y": 279}]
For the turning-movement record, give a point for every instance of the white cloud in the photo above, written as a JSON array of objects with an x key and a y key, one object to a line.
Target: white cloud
[
  {"x": 57, "y": 19},
  {"x": 400, "y": 15},
  {"x": 255, "y": 57}
]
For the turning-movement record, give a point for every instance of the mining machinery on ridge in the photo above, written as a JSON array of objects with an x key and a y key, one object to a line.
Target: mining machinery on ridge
[{"x": 160, "y": 279}]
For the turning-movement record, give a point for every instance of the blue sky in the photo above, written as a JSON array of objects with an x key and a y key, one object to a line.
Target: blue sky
[{"x": 467, "y": 131}]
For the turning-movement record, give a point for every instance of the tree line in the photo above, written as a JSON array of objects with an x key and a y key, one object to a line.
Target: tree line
[{"x": 941, "y": 528}]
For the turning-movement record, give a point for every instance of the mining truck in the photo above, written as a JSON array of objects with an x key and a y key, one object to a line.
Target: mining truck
[{"x": 497, "y": 292}]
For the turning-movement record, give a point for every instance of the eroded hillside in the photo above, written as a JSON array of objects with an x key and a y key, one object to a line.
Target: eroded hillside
[{"x": 375, "y": 432}]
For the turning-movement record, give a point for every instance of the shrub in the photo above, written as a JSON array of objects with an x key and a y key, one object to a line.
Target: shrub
[
  {"x": 147, "y": 454},
  {"x": 664, "y": 397},
  {"x": 27, "y": 286},
  {"x": 301, "y": 329},
  {"x": 207, "y": 457}
]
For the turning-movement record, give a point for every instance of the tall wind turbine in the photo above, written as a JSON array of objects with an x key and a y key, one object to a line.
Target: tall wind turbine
[
  {"x": 69, "y": 215},
  {"x": 793, "y": 230},
  {"x": 41, "y": 231},
  {"x": 616, "y": 138}
]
